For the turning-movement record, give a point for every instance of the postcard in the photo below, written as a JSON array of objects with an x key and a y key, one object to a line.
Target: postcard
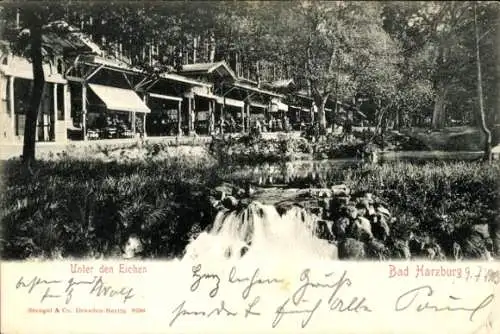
[{"x": 241, "y": 167}]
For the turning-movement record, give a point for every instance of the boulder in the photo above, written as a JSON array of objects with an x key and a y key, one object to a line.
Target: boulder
[
  {"x": 380, "y": 228},
  {"x": 223, "y": 190},
  {"x": 340, "y": 189},
  {"x": 324, "y": 230},
  {"x": 351, "y": 249},
  {"x": 230, "y": 202},
  {"x": 352, "y": 212},
  {"x": 239, "y": 192},
  {"x": 383, "y": 210},
  {"x": 361, "y": 229},
  {"x": 340, "y": 227}
]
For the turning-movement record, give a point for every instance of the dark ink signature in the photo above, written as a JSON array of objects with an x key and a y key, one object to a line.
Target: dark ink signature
[
  {"x": 98, "y": 288},
  {"x": 336, "y": 303},
  {"x": 254, "y": 280},
  {"x": 35, "y": 281},
  {"x": 198, "y": 277},
  {"x": 419, "y": 300},
  {"x": 101, "y": 289},
  {"x": 218, "y": 311}
]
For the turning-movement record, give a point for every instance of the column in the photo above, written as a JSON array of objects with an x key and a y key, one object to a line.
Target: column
[
  {"x": 243, "y": 118},
  {"x": 247, "y": 107},
  {"x": 222, "y": 118},
  {"x": 133, "y": 122},
  {"x": 313, "y": 109},
  {"x": 84, "y": 110},
  {"x": 190, "y": 115},
  {"x": 11, "y": 107},
  {"x": 211, "y": 114},
  {"x": 145, "y": 99},
  {"x": 66, "y": 106},
  {"x": 56, "y": 116},
  {"x": 179, "y": 119}
]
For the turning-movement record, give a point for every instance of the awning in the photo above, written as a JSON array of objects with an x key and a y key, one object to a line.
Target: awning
[
  {"x": 27, "y": 73},
  {"x": 120, "y": 99},
  {"x": 165, "y": 97},
  {"x": 258, "y": 105},
  {"x": 230, "y": 102},
  {"x": 205, "y": 95},
  {"x": 278, "y": 106}
]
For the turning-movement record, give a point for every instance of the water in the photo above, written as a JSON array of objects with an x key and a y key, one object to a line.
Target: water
[
  {"x": 259, "y": 231},
  {"x": 291, "y": 172}
]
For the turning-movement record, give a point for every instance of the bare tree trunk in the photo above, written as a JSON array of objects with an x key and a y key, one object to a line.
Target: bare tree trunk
[
  {"x": 258, "y": 74},
  {"x": 438, "y": 115},
  {"x": 320, "y": 102},
  {"x": 38, "y": 84},
  {"x": 484, "y": 127},
  {"x": 212, "y": 48}
]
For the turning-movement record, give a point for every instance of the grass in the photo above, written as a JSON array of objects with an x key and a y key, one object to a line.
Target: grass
[{"x": 79, "y": 208}]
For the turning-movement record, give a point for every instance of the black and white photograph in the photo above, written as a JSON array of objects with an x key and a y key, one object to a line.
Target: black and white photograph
[
  {"x": 224, "y": 129},
  {"x": 249, "y": 166}
]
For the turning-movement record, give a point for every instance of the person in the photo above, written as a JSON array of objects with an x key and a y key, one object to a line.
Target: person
[
  {"x": 258, "y": 127},
  {"x": 348, "y": 125},
  {"x": 139, "y": 127}
]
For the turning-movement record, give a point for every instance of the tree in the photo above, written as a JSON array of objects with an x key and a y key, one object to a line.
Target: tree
[
  {"x": 35, "y": 17},
  {"x": 35, "y": 28},
  {"x": 334, "y": 48},
  {"x": 439, "y": 48},
  {"x": 484, "y": 127}
]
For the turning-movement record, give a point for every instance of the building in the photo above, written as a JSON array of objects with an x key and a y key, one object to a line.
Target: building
[
  {"x": 239, "y": 103},
  {"x": 16, "y": 79}
]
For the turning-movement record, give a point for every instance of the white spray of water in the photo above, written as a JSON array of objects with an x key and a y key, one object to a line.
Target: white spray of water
[{"x": 258, "y": 231}]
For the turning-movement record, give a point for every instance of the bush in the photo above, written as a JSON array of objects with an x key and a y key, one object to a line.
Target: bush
[
  {"x": 89, "y": 208},
  {"x": 251, "y": 149},
  {"x": 78, "y": 208}
]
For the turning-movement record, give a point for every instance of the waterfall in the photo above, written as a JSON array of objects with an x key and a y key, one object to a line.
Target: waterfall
[{"x": 261, "y": 231}]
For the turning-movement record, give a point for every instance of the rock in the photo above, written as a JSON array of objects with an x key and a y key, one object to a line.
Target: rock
[
  {"x": 380, "y": 229},
  {"x": 382, "y": 210},
  {"x": 370, "y": 210},
  {"x": 340, "y": 227},
  {"x": 369, "y": 198},
  {"x": 341, "y": 200},
  {"x": 495, "y": 235},
  {"x": 317, "y": 211},
  {"x": 351, "y": 212},
  {"x": 325, "y": 204},
  {"x": 351, "y": 249},
  {"x": 230, "y": 202},
  {"x": 223, "y": 190},
  {"x": 362, "y": 211},
  {"x": 214, "y": 202},
  {"x": 239, "y": 192},
  {"x": 320, "y": 192},
  {"x": 324, "y": 230},
  {"x": 377, "y": 250},
  {"x": 249, "y": 190},
  {"x": 340, "y": 189},
  {"x": 361, "y": 229},
  {"x": 482, "y": 230}
]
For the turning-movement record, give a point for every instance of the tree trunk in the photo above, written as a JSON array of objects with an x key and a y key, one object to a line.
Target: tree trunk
[
  {"x": 320, "y": 102},
  {"x": 38, "y": 84},
  {"x": 212, "y": 48},
  {"x": 484, "y": 127},
  {"x": 439, "y": 115}
]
